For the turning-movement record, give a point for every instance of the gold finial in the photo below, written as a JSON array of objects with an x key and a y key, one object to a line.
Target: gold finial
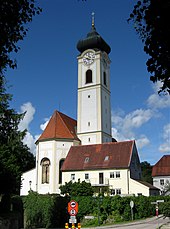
[{"x": 93, "y": 19}]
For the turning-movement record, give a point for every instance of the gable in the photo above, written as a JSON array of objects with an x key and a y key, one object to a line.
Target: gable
[{"x": 99, "y": 156}]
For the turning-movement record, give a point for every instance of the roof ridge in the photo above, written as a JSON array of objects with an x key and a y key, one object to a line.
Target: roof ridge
[{"x": 64, "y": 122}]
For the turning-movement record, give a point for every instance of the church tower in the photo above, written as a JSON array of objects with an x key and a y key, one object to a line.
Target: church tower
[{"x": 93, "y": 108}]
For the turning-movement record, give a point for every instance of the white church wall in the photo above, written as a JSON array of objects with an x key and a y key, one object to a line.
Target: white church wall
[
  {"x": 28, "y": 182},
  {"x": 55, "y": 151}
]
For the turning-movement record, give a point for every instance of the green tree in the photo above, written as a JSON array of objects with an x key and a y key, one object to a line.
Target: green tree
[
  {"x": 151, "y": 22},
  {"x": 146, "y": 172},
  {"x": 15, "y": 157},
  {"x": 77, "y": 189},
  {"x": 14, "y": 15}
]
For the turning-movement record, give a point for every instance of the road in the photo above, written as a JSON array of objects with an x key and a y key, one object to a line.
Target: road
[{"x": 152, "y": 223}]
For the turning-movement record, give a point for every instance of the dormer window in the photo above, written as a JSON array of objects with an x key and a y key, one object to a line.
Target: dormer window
[
  {"x": 86, "y": 160},
  {"x": 106, "y": 158}
]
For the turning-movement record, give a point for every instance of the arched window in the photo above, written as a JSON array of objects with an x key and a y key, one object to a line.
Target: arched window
[
  {"x": 104, "y": 78},
  {"x": 89, "y": 76},
  {"x": 45, "y": 163},
  {"x": 60, "y": 172}
]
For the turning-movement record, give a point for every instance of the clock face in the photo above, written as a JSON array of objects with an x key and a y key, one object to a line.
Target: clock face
[{"x": 88, "y": 58}]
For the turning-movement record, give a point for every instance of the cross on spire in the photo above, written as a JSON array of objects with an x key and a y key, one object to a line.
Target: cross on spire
[{"x": 93, "y": 19}]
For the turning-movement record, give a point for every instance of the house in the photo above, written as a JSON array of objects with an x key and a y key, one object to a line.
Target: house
[
  {"x": 114, "y": 165},
  {"x": 161, "y": 174},
  {"x": 84, "y": 149}
]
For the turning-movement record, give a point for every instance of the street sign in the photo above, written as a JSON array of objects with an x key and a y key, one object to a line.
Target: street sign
[
  {"x": 72, "y": 212},
  {"x": 131, "y": 204},
  {"x": 89, "y": 217},
  {"x": 160, "y": 201},
  {"x": 153, "y": 202},
  {"x": 73, "y": 208},
  {"x": 72, "y": 219}
]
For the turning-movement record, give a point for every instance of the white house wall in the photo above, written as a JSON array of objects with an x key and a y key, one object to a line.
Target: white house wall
[
  {"x": 137, "y": 188},
  {"x": 127, "y": 185},
  {"x": 113, "y": 183},
  {"x": 161, "y": 181}
]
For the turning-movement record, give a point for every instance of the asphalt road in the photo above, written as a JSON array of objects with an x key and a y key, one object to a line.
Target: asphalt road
[{"x": 151, "y": 223}]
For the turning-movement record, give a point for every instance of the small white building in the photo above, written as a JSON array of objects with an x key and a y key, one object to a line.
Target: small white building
[{"x": 161, "y": 174}]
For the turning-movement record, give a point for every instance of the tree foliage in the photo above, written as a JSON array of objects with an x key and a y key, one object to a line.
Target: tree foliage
[
  {"x": 151, "y": 22},
  {"x": 14, "y": 15},
  {"x": 77, "y": 189},
  {"x": 146, "y": 169},
  {"x": 15, "y": 157}
]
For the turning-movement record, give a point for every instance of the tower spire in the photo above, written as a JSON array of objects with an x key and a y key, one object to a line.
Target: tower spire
[{"x": 93, "y": 19}]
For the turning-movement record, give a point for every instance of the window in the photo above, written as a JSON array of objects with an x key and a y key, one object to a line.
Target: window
[
  {"x": 60, "y": 172},
  {"x": 101, "y": 178},
  {"x": 139, "y": 194},
  {"x": 162, "y": 182},
  {"x": 89, "y": 139},
  {"x": 88, "y": 96},
  {"x": 104, "y": 78},
  {"x": 111, "y": 174},
  {"x": 112, "y": 192},
  {"x": 89, "y": 76},
  {"x": 86, "y": 176},
  {"x": 117, "y": 174},
  {"x": 118, "y": 191},
  {"x": 72, "y": 176},
  {"x": 107, "y": 157},
  {"x": 45, "y": 163},
  {"x": 88, "y": 123},
  {"x": 86, "y": 159}
]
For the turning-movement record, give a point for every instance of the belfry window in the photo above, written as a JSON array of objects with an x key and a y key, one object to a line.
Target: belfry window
[
  {"x": 104, "y": 79},
  {"x": 45, "y": 163},
  {"x": 89, "y": 76}
]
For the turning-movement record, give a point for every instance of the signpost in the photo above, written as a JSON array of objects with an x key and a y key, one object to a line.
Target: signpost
[
  {"x": 156, "y": 206},
  {"x": 72, "y": 209},
  {"x": 132, "y": 205}
]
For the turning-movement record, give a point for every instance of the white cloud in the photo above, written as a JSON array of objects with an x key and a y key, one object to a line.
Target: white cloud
[
  {"x": 29, "y": 115},
  {"x": 165, "y": 147},
  {"x": 156, "y": 101},
  {"x": 142, "y": 142},
  {"x": 43, "y": 125},
  {"x": 124, "y": 125},
  {"x": 29, "y": 139}
]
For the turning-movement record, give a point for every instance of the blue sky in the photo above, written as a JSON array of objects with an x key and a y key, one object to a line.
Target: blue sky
[{"x": 46, "y": 77}]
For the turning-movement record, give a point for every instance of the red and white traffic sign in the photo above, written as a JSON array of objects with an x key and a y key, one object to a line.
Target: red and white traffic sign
[{"x": 73, "y": 208}]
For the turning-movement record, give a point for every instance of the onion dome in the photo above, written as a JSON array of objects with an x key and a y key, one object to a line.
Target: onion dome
[{"x": 93, "y": 40}]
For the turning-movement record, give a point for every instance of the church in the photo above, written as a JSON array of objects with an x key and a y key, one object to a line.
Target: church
[{"x": 84, "y": 150}]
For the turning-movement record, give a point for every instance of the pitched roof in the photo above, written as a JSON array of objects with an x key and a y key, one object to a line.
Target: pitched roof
[
  {"x": 150, "y": 186},
  {"x": 99, "y": 156},
  {"x": 60, "y": 126},
  {"x": 162, "y": 167}
]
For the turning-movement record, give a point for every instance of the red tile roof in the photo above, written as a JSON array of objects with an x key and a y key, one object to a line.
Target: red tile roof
[
  {"x": 60, "y": 126},
  {"x": 162, "y": 167},
  {"x": 99, "y": 156}
]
